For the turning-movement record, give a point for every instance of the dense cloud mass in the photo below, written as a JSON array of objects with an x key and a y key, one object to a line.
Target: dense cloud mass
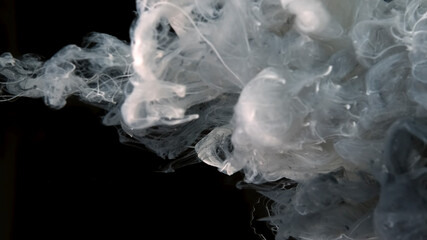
[{"x": 327, "y": 96}]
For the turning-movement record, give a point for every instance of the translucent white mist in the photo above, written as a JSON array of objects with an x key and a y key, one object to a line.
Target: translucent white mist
[{"x": 327, "y": 93}]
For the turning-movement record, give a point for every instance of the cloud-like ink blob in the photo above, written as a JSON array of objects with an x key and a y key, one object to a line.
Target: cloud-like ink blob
[{"x": 328, "y": 95}]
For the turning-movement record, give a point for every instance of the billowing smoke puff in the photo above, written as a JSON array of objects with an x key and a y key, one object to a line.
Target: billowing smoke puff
[{"x": 325, "y": 95}]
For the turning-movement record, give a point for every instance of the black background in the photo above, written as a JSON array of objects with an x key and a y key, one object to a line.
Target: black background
[{"x": 66, "y": 176}]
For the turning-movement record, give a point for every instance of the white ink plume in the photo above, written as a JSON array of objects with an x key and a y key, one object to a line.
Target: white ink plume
[{"x": 326, "y": 96}]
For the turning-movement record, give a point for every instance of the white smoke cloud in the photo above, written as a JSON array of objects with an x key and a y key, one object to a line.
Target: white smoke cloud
[{"x": 328, "y": 94}]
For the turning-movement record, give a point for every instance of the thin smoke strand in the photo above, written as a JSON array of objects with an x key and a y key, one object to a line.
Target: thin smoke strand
[{"x": 323, "y": 95}]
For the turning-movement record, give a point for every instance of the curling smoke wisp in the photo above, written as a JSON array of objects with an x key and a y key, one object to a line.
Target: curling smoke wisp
[{"x": 329, "y": 95}]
